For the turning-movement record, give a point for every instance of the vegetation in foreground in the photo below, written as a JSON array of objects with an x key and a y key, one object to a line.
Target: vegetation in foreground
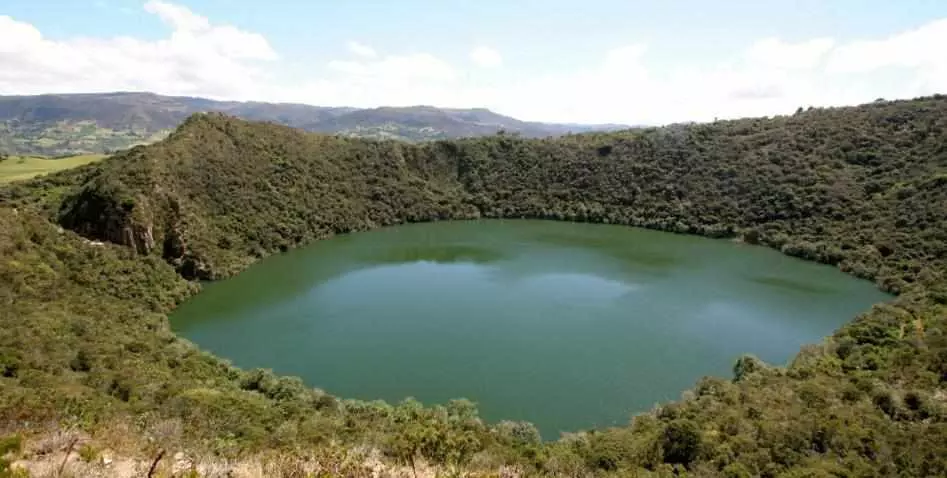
[
  {"x": 94, "y": 258},
  {"x": 19, "y": 168}
]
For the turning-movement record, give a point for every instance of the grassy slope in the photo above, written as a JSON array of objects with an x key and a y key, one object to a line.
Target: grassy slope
[
  {"x": 18, "y": 168},
  {"x": 858, "y": 187}
]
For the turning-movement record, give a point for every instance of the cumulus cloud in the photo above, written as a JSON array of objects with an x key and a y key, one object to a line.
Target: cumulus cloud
[
  {"x": 198, "y": 58},
  {"x": 770, "y": 76},
  {"x": 629, "y": 83},
  {"x": 179, "y": 17},
  {"x": 397, "y": 68},
  {"x": 486, "y": 57},
  {"x": 773, "y": 52},
  {"x": 917, "y": 48},
  {"x": 361, "y": 50},
  {"x": 393, "y": 80}
]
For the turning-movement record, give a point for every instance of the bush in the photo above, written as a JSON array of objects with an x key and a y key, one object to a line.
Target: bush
[
  {"x": 518, "y": 433},
  {"x": 747, "y": 366},
  {"x": 681, "y": 442}
]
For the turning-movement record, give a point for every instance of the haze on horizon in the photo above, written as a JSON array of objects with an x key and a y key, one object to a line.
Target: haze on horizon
[{"x": 601, "y": 61}]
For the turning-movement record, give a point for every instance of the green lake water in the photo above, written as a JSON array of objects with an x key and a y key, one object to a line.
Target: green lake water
[{"x": 568, "y": 326}]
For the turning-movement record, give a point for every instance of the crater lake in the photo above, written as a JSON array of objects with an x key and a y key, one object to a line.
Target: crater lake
[{"x": 566, "y": 325}]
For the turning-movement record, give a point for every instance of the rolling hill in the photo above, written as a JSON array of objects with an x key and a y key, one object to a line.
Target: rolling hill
[{"x": 55, "y": 125}]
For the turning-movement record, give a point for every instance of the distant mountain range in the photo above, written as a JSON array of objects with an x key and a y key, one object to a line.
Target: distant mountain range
[{"x": 66, "y": 124}]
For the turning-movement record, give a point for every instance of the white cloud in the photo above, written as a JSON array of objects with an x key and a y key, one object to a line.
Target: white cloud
[
  {"x": 361, "y": 50},
  {"x": 395, "y": 80},
  {"x": 775, "y": 53},
  {"x": 918, "y": 48},
  {"x": 177, "y": 16},
  {"x": 396, "y": 68},
  {"x": 486, "y": 57},
  {"x": 771, "y": 76},
  {"x": 198, "y": 58},
  {"x": 626, "y": 84}
]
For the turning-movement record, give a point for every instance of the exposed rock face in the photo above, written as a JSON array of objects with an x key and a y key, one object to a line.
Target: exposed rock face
[
  {"x": 140, "y": 236},
  {"x": 102, "y": 215}
]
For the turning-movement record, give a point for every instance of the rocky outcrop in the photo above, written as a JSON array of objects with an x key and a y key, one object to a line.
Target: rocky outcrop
[
  {"x": 101, "y": 212},
  {"x": 104, "y": 212}
]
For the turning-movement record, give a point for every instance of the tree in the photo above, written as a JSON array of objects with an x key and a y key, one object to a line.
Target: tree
[
  {"x": 519, "y": 433},
  {"x": 681, "y": 442},
  {"x": 410, "y": 435},
  {"x": 441, "y": 435},
  {"x": 746, "y": 366}
]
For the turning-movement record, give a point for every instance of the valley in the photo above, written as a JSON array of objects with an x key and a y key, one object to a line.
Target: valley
[{"x": 56, "y": 125}]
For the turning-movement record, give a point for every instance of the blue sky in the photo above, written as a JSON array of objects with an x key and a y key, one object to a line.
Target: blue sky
[{"x": 577, "y": 61}]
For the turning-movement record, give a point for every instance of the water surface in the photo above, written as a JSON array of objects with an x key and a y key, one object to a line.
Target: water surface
[{"x": 566, "y": 325}]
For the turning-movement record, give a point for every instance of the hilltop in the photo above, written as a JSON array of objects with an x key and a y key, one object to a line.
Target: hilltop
[
  {"x": 64, "y": 124},
  {"x": 95, "y": 257}
]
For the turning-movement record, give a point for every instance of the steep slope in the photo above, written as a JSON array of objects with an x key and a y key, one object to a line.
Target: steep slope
[
  {"x": 102, "y": 122},
  {"x": 864, "y": 188},
  {"x": 221, "y": 192},
  {"x": 838, "y": 186}
]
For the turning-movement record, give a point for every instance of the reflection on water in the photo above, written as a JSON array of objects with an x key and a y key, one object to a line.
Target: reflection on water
[
  {"x": 566, "y": 325},
  {"x": 442, "y": 254},
  {"x": 791, "y": 284}
]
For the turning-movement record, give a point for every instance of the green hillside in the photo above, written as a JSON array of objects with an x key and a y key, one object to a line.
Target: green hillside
[{"x": 85, "y": 343}]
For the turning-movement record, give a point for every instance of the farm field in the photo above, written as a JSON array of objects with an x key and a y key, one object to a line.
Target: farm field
[{"x": 18, "y": 168}]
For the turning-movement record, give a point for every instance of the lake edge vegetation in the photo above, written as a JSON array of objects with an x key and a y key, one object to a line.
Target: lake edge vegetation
[{"x": 93, "y": 259}]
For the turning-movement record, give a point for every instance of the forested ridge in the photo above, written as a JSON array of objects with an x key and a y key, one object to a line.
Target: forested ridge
[{"x": 94, "y": 258}]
